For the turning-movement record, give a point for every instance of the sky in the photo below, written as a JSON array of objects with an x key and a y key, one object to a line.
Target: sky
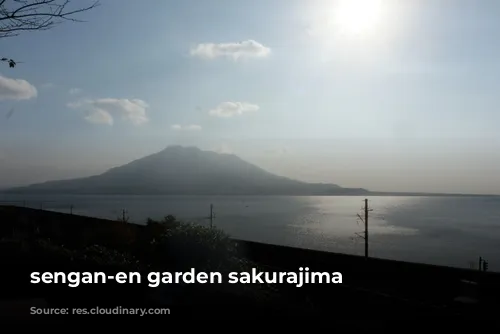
[{"x": 386, "y": 95}]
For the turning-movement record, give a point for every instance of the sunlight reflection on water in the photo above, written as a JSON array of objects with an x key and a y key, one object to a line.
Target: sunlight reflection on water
[{"x": 438, "y": 230}]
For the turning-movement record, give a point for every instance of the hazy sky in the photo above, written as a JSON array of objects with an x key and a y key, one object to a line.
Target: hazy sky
[{"x": 401, "y": 96}]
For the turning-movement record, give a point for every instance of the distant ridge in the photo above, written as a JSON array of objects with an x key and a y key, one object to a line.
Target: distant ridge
[
  {"x": 179, "y": 170},
  {"x": 409, "y": 194}
]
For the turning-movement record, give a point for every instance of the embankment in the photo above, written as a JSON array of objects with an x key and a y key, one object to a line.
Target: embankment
[{"x": 371, "y": 279}]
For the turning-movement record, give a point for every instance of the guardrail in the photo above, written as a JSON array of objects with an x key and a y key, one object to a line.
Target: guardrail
[
  {"x": 42, "y": 205},
  {"x": 111, "y": 214}
]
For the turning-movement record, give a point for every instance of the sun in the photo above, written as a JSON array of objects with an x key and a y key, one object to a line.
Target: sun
[{"x": 357, "y": 17}]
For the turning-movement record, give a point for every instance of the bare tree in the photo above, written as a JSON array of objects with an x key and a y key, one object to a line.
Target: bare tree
[{"x": 17, "y": 16}]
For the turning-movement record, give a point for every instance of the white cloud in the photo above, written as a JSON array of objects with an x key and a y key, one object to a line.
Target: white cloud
[
  {"x": 230, "y": 109},
  {"x": 16, "y": 89},
  {"x": 101, "y": 111},
  {"x": 75, "y": 91},
  {"x": 191, "y": 127},
  {"x": 99, "y": 116},
  {"x": 235, "y": 51}
]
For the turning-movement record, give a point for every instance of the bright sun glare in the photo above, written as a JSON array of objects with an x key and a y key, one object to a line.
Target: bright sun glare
[{"x": 357, "y": 17}]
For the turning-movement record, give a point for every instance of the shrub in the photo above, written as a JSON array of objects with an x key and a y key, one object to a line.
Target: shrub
[
  {"x": 206, "y": 249},
  {"x": 184, "y": 246}
]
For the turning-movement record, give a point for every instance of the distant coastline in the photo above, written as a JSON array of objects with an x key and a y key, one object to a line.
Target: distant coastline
[{"x": 7, "y": 192}]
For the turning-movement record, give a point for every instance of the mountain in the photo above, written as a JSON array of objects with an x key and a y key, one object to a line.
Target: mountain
[{"x": 181, "y": 170}]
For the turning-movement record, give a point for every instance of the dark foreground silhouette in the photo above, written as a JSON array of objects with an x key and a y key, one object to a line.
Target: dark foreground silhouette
[{"x": 43, "y": 241}]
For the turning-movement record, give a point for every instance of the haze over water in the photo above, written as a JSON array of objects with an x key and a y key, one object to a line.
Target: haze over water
[{"x": 451, "y": 231}]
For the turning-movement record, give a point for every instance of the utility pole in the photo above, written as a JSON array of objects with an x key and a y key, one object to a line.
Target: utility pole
[
  {"x": 483, "y": 264},
  {"x": 365, "y": 221},
  {"x": 366, "y": 227},
  {"x": 212, "y": 215},
  {"x": 125, "y": 217}
]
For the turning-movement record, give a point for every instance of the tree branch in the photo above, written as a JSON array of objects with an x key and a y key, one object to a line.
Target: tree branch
[{"x": 29, "y": 15}]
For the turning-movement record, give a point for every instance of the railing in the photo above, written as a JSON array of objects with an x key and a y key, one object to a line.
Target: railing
[
  {"x": 41, "y": 205},
  {"x": 112, "y": 214}
]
